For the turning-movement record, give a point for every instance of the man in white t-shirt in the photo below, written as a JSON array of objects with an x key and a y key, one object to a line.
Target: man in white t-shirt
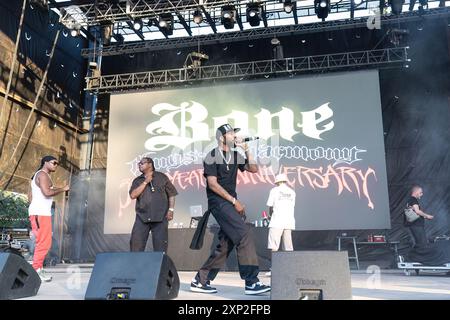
[{"x": 281, "y": 204}]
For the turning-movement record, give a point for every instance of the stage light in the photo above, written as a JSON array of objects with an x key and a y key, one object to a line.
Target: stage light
[
  {"x": 94, "y": 69},
  {"x": 278, "y": 52},
  {"x": 198, "y": 17},
  {"x": 119, "y": 38},
  {"x": 75, "y": 31},
  {"x": 322, "y": 8},
  {"x": 288, "y": 6},
  {"x": 228, "y": 16},
  {"x": 137, "y": 24},
  {"x": 42, "y": 4},
  {"x": 397, "y": 35},
  {"x": 106, "y": 30},
  {"x": 166, "y": 23},
  {"x": 254, "y": 14},
  {"x": 194, "y": 60},
  {"x": 423, "y": 3},
  {"x": 420, "y": 25},
  {"x": 396, "y": 6},
  {"x": 421, "y": 11}
]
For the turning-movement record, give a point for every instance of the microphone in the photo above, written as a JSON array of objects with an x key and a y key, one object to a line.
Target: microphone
[{"x": 250, "y": 139}]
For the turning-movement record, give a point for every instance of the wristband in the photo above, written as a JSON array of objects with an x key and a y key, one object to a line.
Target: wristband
[
  {"x": 234, "y": 201},
  {"x": 171, "y": 209}
]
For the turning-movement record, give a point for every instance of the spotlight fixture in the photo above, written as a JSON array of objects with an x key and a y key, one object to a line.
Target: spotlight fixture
[
  {"x": 137, "y": 24},
  {"x": 420, "y": 25},
  {"x": 254, "y": 14},
  {"x": 198, "y": 16},
  {"x": 119, "y": 38},
  {"x": 228, "y": 16},
  {"x": 165, "y": 23},
  {"x": 288, "y": 6},
  {"x": 106, "y": 30},
  {"x": 94, "y": 69},
  {"x": 421, "y": 11},
  {"x": 278, "y": 52},
  {"x": 396, "y": 6},
  {"x": 397, "y": 35},
  {"x": 194, "y": 60},
  {"x": 322, "y": 8},
  {"x": 75, "y": 31},
  {"x": 42, "y": 4}
]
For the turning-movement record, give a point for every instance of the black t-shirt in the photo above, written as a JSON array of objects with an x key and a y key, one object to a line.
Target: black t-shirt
[
  {"x": 152, "y": 206},
  {"x": 420, "y": 221},
  {"x": 224, "y": 166}
]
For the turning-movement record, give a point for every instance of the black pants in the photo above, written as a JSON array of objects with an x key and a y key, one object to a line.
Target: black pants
[
  {"x": 419, "y": 235},
  {"x": 140, "y": 233},
  {"x": 234, "y": 232}
]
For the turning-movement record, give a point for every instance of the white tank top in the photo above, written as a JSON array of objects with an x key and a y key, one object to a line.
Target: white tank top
[{"x": 40, "y": 204}]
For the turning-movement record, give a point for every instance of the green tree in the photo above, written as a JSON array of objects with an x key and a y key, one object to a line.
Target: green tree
[{"x": 13, "y": 210}]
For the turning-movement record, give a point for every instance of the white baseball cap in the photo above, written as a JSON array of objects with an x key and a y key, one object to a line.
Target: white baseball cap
[{"x": 281, "y": 178}]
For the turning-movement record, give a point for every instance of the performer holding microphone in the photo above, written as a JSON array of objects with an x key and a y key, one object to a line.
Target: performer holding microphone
[{"x": 220, "y": 170}]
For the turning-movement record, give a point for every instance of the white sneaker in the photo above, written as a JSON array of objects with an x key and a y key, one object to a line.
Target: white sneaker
[
  {"x": 43, "y": 275},
  {"x": 196, "y": 286},
  {"x": 256, "y": 288},
  {"x": 268, "y": 274}
]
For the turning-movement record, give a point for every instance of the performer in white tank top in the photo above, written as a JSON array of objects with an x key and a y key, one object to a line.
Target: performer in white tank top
[
  {"x": 41, "y": 204},
  {"x": 41, "y": 199}
]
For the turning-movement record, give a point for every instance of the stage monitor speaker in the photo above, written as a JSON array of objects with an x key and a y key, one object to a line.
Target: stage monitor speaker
[
  {"x": 311, "y": 275},
  {"x": 18, "y": 279},
  {"x": 133, "y": 276}
]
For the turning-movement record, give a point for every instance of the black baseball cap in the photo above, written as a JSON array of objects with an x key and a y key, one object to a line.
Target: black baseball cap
[
  {"x": 47, "y": 159},
  {"x": 223, "y": 129}
]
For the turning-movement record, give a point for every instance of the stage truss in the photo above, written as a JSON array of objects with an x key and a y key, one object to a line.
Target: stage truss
[
  {"x": 259, "y": 33},
  {"x": 382, "y": 58}
]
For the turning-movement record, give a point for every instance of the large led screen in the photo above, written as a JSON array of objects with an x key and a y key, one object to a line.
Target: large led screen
[{"x": 325, "y": 132}]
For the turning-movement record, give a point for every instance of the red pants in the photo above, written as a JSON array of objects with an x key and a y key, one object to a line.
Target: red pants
[{"x": 41, "y": 227}]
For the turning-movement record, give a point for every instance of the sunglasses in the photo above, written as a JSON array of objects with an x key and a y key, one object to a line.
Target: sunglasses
[
  {"x": 140, "y": 163},
  {"x": 55, "y": 163}
]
